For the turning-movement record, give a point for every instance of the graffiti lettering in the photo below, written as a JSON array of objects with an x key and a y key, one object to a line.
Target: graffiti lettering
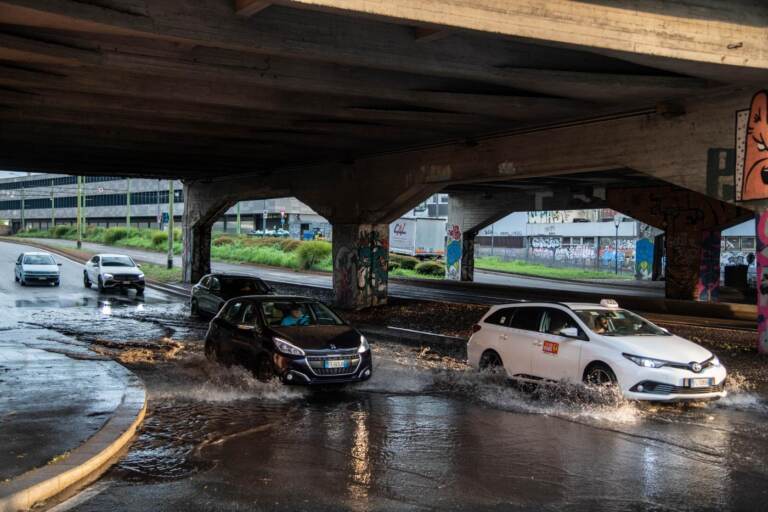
[
  {"x": 761, "y": 256},
  {"x": 755, "y": 169},
  {"x": 453, "y": 253},
  {"x": 545, "y": 243}
]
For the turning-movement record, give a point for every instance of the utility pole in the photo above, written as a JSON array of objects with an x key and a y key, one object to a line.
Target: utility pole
[
  {"x": 23, "y": 196},
  {"x": 159, "y": 221},
  {"x": 616, "y": 223},
  {"x": 170, "y": 224},
  {"x": 83, "y": 199},
  {"x": 53, "y": 207},
  {"x": 128, "y": 206},
  {"x": 79, "y": 216},
  {"x": 491, "y": 240},
  {"x": 238, "y": 218}
]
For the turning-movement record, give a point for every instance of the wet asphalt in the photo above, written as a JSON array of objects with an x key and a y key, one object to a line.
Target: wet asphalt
[{"x": 411, "y": 438}]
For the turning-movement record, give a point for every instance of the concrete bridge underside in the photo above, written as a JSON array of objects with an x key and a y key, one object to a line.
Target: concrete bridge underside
[{"x": 362, "y": 109}]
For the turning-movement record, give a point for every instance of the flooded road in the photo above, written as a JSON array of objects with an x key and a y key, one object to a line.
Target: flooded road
[{"x": 416, "y": 436}]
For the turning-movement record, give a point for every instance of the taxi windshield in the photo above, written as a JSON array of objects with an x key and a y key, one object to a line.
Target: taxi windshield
[{"x": 618, "y": 322}]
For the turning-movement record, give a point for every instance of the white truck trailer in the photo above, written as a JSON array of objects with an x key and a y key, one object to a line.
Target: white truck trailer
[{"x": 423, "y": 237}]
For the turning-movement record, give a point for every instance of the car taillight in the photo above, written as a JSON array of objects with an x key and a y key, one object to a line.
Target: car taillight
[{"x": 475, "y": 327}]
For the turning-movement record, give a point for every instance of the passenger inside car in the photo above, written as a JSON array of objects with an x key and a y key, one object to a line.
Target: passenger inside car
[{"x": 295, "y": 316}]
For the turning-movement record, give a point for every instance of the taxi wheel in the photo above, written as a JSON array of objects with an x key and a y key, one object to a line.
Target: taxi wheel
[
  {"x": 490, "y": 360},
  {"x": 600, "y": 374}
]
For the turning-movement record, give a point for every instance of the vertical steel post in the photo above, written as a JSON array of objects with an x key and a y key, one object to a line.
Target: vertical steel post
[
  {"x": 79, "y": 215},
  {"x": 23, "y": 197},
  {"x": 170, "y": 223},
  {"x": 128, "y": 206},
  {"x": 53, "y": 207},
  {"x": 238, "y": 218}
]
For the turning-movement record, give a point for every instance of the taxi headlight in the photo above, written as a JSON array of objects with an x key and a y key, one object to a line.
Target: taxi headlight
[
  {"x": 287, "y": 348},
  {"x": 108, "y": 276},
  {"x": 364, "y": 346},
  {"x": 715, "y": 362},
  {"x": 645, "y": 362}
]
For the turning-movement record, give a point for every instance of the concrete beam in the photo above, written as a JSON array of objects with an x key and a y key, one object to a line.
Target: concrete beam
[{"x": 713, "y": 31}]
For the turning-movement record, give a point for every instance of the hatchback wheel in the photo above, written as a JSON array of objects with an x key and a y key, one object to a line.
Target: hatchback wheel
[
  {"x": 490, "y": 360},
  {"x": 600, "y": 374},
  {"x": 210, "y": 351},
  {"x": 194, "y": 309},
  {"x": 264, "y": 369}
]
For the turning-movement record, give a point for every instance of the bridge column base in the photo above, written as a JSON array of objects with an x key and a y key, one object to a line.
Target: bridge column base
[
  {"x": 761, "y": 261},
  {"x": 360, "y": 264}
]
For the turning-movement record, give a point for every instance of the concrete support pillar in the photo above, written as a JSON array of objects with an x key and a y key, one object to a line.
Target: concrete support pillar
[
  {"x": 761, "y": 260},
  {"x": 360, "y": 263},
  {"x": 196, "y": 256},
  {"x": 459, "y": 254},
  {"x": 693, "y": 264}
]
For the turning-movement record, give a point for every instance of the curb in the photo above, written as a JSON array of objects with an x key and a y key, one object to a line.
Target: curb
[{"x": 86, "y": 461}]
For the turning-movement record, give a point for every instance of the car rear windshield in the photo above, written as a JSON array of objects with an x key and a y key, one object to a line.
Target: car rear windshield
[
  {"x": 117, "y": 261},
  {"x": 297, "y": 314},
  {"x": 618, "y": 322},
  {"x": 39, "y": 259},
  {"x": 238, "y": 286}
]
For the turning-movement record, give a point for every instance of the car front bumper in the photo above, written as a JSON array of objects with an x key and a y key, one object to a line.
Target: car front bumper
[
  {"x": 299, "y": 371},
  {"x": 33, "y": 278},
  {"x": 671, "y": 384},
  {"x": 113, "y": 283}
]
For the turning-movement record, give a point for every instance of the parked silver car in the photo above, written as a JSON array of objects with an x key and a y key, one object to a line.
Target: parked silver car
[{"x": 37, "y": 268}]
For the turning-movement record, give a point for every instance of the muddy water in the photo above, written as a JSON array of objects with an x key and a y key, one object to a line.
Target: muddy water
[{"x": 416, "y": 436}]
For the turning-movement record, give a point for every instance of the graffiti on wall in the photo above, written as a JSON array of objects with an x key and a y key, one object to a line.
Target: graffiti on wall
[
  {"x": 761, "y": 255},
  {"x": 708, "y": 287},
  {"x": 360, "y": 277},
  {"x": 721, "y": 166},
  {"x": 539, "y": 242},
  {"x": 752, "y": 161},
  {"x": 453, "y": 253},
  {"x": 644, "y": 258}
]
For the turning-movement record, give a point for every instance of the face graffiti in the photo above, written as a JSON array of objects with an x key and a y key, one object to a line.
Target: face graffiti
[
  {"x": 755, "y": 171},
  {"x": 453, "y": 253}
]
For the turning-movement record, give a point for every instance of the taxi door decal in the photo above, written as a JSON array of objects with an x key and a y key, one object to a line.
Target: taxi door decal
[{"x": 551, "y": 347}]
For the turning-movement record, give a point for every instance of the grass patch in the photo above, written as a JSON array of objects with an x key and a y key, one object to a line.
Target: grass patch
[
  {"x": 160, "y": 273},
  {"x": 535, "y": 269}
]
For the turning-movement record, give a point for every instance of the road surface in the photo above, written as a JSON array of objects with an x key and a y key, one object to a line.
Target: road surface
[{"x": 414, "y": 437}]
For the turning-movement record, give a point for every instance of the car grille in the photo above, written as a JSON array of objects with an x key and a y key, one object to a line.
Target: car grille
[
  {"x": 40, "y": 273},
  {"x": 125, "y": 277},
  {"x": 317, "y": 364},
  {"x": 658, "y": 388}
]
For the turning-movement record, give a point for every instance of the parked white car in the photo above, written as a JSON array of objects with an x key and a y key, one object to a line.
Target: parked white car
[
  {"x": 113, "y": 271},
  {"x": 597, "y": 343},
  {"x": 37, "y": 268}
]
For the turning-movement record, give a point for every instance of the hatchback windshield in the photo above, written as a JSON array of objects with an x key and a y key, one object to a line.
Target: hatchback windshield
[
  {"x": 117, "y": 261},
  {"x": 618, "y": 322},
  {"x": 238, "y": 286},
  {"x": 293, "y": 314},
  {"x": 39, "y": 259}
]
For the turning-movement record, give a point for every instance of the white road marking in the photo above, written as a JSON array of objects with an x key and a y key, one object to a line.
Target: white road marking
[{"x": 78, "y": 499}]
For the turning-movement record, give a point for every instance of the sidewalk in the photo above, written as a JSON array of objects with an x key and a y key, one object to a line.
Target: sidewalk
[{"x": 64, "y": 412}]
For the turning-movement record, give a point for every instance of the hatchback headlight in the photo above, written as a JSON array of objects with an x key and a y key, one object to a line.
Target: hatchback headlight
[
  {"x": 287, "y": 348},
  {"x": 364, "y": 346},
  {"x": 141, "y": 276},
  {"x": 108, "y": 276},
  {"x": 645, "y": 362},
  {"x": 715, "y": 361}
]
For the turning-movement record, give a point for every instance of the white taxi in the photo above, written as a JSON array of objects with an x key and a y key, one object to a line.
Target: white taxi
[{"x": 596, "y": 343}]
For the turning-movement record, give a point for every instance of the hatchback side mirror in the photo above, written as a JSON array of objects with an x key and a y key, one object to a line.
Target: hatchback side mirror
[
  {"x": 59, "y": 264},
  {"x": 138, "y": 265},
  {"x": 246, "y": 327}
]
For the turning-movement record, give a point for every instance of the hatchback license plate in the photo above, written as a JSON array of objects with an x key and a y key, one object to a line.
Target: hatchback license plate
[
  {"x": 700, "y": 383},
  {"x": 336, "y": 364}
]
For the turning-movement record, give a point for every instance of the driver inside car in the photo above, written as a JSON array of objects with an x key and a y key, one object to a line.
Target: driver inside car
[{"x": 295, "y": 317}]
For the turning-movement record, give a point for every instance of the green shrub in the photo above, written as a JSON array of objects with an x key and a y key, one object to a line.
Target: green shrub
[
  {"x": 223, "y": 240},
  {"x": 93, "y": 232},
  {"x": 159, "y": 238},
  {"x": 406, "y": 262},
  {"x": 393, "y": 265},
  {"x": 289, "y": 244},
  {"x": 430, "y": 268},
  {"x": 310, "y": 254},
  {"x": 112, "y": 235},
  {"x": 64, "y": 231}
]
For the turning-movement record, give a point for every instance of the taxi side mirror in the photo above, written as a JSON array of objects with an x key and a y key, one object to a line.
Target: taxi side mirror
[{"x": 570, "y": 332}]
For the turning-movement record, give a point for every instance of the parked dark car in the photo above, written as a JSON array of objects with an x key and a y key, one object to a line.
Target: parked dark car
[
  {"x": 213, "y": 290},
  {"x": 296, "y": 339}
]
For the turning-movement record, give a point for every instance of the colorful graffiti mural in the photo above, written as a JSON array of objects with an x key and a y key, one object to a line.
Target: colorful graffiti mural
[
  {"x": 453, "y": 253},
  {"x": 643, "y": 258},
  {"x": 762, "y": 282},
  {"x": 360, "y": 260},
  {"x": 708, "y": 287},
  {"x": 754, "y": 171}
]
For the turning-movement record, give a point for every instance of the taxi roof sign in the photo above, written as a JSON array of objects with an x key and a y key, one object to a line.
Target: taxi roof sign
[{"x": 609, "y": 303}]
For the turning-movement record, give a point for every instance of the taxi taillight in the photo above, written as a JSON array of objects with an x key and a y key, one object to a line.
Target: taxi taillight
[{"x": 475, "y": 327}]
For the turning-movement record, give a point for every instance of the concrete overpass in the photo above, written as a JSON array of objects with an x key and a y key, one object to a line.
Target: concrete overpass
[{"x": 362, "y": 109}]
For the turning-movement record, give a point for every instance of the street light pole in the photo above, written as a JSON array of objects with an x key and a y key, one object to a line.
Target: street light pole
[
  {"x": 53, "y": 208},
  {"x": 128, "y": 206},
  {"x": 79, "y": 216},
  {"x": 170, "y": 224},
  {"x": 238, "y": 218},
  {"x": 616, "y": 222},
  {"x": 23, "y": 196}
]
